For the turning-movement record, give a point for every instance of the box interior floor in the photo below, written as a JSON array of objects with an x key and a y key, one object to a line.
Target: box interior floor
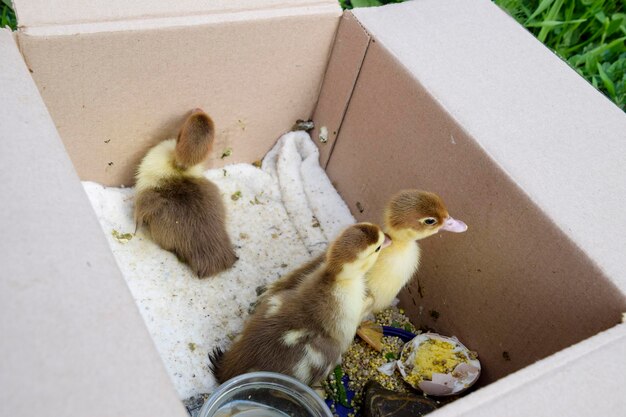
[
  {"x": 518, "y": 146},
  {"x": 278, "y": 217}
]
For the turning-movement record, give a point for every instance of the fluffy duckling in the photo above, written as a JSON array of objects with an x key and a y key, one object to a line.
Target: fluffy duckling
[
  {"x": 183, "y": 210},
  {"x": 409, "y": 216},
  {"x": 302, "y": 331},
  {"x": 294, "y": 278}
]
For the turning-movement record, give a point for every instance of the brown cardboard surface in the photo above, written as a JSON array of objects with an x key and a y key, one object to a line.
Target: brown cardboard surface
[
  {"x": 343, "y": 69},
  {"x": 73, "y": 342},
  {"x": 114, "y": 94},
  {"x": 516, "y": 287},
  {"x": 560, "y": 140},
  {"x": 583, "y": 380},
  {"x": 64, "y": 12}
]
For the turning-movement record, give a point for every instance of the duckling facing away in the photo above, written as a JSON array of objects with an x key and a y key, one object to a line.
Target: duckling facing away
[
  {"x": 409, "y": 216},
  {"x": 183, "y": 210},
  {"x": 303, "y": 330}
]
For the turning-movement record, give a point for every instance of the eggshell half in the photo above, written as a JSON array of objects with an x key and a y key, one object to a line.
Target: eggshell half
[{"x": 462, "y": 377}]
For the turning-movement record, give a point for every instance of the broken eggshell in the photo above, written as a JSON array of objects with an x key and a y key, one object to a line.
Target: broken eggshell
[{"x": 462, "y": 377}]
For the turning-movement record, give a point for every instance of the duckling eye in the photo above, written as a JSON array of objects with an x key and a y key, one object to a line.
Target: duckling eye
[
  {"x": 377, "y": 249},
  {"x": 430, "y": 221}
]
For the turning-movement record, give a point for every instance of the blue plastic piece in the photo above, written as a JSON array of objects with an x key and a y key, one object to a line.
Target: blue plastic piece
[
  {"x": 342, "y": 411},
  {"x": 397, "y": 332}
]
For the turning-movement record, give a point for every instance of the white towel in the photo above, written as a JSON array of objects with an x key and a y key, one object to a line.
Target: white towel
[{"x": 271, "y": 223}]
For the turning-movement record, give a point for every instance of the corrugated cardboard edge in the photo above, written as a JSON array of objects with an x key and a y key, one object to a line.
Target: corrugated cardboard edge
[
  {"x": 48, "y": 13},
  {"x": 185, "y": 20},
  {"x": 109, "y": 111},
  {"x": 73, "y": 341},
  {"x": 341, "y": 76}
]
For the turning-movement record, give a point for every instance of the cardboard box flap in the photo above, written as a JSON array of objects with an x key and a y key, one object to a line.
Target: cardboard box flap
[
  {"x": 518, "y": 275},
  {"x": 578, "y": 381},
  {"x": 32, "y": 13},
  {"x": 557, "y": 137},
  {"x": 73, "y": 342},
  {"x": 114, "y": 94},
  {"x": 341, "y": 76}
]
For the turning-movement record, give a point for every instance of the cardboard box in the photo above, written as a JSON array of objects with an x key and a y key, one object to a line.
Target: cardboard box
[
  {"x": 115, "y": 87},
  {"x": 451, "y": 96}
]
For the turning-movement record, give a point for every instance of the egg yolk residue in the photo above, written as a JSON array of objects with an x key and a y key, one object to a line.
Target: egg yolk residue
[{"x": 434, "y": 356}]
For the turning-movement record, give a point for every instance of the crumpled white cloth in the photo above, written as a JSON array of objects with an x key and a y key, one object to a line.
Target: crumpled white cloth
[
  {"x": 270, "y": 221},
  {"x": 312, "y": 203}
]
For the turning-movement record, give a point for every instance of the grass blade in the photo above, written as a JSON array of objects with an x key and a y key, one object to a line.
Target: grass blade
[
  {"x": 366, "y": 3},
  {"x": 608, "y": 83},
  {"x": 552, "y": 14},
  {"x": 542, "y": 6},
  {"x": 553, "y": 23}
]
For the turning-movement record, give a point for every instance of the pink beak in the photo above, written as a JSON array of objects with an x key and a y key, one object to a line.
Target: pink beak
[
  {"x": 453, "y": 225},
  {"x": 386, "y": 242}
]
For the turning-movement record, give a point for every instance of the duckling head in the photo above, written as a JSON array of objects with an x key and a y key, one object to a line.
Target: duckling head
[
  {"x": 194, "y": 139},
  {"x": 357, "y": 248},
  {"x": 180, "y": 157},
  {"x": 415, "y": 215}
]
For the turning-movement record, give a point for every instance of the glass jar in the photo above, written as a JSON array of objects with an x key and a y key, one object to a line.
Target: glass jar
[{"x": 265, "y": 394}]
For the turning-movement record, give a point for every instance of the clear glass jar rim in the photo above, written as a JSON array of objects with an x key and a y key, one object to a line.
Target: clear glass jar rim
[{"x": 262, "y": 377}]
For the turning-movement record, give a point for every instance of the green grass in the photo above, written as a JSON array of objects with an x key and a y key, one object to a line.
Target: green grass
[
  {"x": 7, "y": 16},
  {"x": 590, "y": 35},
  {"x": 349, "y": 4}
]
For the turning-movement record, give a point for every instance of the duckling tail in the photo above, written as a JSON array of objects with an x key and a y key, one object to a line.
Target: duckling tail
[{"x": 215, "y": 359}]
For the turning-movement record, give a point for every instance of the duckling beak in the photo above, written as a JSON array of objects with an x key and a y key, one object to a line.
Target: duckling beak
[
  {"x": 453, "y": 225},
  {"x": 387, "y": 241}
]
